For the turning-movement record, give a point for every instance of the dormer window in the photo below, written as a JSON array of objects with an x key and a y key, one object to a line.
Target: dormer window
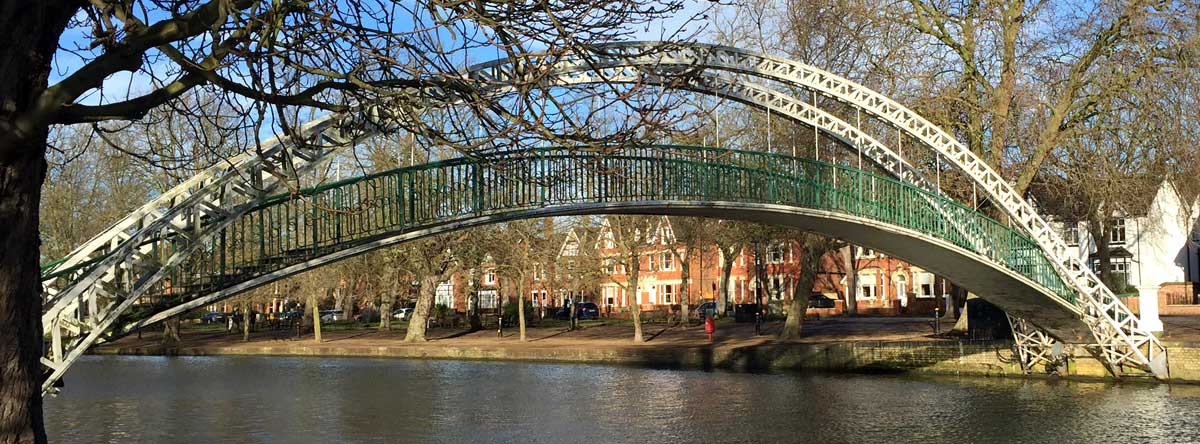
[{"x": 489, "y": 277}]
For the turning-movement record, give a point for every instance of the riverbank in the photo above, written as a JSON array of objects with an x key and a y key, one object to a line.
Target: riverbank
[{"x": 893, "y": 345}]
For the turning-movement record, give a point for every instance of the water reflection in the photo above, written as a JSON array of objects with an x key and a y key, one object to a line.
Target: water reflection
[{"x": 295, "y": 400}]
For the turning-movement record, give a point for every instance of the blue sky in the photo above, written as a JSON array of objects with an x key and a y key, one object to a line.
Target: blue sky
[{"x": 125, "y": 84}]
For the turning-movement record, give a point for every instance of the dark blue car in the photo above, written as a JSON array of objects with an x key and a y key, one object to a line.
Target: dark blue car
[
  {"x": 583, "y": 310},
  {"x": 213, "y": 317}
]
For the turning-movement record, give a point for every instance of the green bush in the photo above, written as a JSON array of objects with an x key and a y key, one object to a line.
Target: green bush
[{"x": 510, "y": 312}]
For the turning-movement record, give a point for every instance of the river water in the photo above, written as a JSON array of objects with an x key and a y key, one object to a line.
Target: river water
[{"x": 332, "y": 400}]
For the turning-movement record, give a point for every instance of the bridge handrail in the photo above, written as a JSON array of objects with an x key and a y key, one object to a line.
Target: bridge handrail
[{"x": 772, "y": 165}]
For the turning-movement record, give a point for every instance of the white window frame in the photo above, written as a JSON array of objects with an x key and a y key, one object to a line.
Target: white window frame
[
  {"x": 444, "y": 294},
  {"x": 775, "y": 255},
  {"x": 1119, "y": 227},
  {"x": 866, "y": 253},
  {"x": 488, "y": 299},
  {"x": 489, "y": 276},
  {"x": 1071, "y": 234},
  {"x": 777, "y": 287},
  {"x": 867, "y": 280},
  {"x": 667, "y": 260},
  {"x": 668, "y": 293}
]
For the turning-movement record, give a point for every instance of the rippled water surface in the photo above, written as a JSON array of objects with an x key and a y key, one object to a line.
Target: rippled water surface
[{"x": 308, "y": 400}]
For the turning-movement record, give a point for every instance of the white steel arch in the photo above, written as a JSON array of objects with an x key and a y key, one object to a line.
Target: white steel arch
[
  {"x": 1121, "y": 340},
  {"x": 222, "y": 193}
]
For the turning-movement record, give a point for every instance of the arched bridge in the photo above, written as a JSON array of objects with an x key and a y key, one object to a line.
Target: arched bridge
[{"x": 224, "y": 231}]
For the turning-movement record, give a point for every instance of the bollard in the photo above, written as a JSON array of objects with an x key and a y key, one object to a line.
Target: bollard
[{"x": 710, "y": 326}]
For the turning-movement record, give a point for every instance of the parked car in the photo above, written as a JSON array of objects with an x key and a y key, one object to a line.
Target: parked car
[
  {"x": 331, "y": 315},
  {"x": 821, "y": 301},
  {"x": 291, "y": 315},
  {"x": 588, "y": 310},
  {"x": 402, "y": 313},
  {"x": 583, "y": 310},
  {"x": 745, "y": 312},
  {"x": 706, "y": 310},
  {"x": 213, "y": 317}
]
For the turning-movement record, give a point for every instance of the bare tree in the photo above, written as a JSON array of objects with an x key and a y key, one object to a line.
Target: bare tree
[
  {"x": 631, "y": 234},
  {"x": 514, "y": 252},
  {"x": 431, "y": 260},
  {"x": 691, "y": 233},
  {"x": 850, "y": 264},
  {"x": 272, "y": 61},
  {"x": 730, "y": 239},
  {"x": 812, "y": 250}
]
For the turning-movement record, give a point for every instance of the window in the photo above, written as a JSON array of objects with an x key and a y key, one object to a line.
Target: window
[
  {"x": 866, "y": 252},
  {"x": 668, "y": 261},
  {"x": 775, "y": 256},
  {"x": 444, "y": 295},
  {"x": 533, "y": 297},
  {"x": 866, "y": 286},
  {"x": 650, "y": 257},
  {"x": 539, "y": 272},
  {"x": 1119, "y": 267},
  {"x": 487, "y": 299},
  {"x": 668, "y": 293},
  {"x": 923, "y": 283},
  {"x": 1117, "y": 234},
  {"x": 489, "y": 277},
  {"x": 867, "y": 291},
  {"x": 606, "y": 266},
  {"x": 776, "y": 288},
  {"x": 1070, "y": 233}
]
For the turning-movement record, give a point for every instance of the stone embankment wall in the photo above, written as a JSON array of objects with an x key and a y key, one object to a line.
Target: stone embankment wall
[{"x": 980, "y": 358}]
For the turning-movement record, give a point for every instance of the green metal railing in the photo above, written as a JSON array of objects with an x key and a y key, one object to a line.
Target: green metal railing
[{"x": 290, "y": 229}]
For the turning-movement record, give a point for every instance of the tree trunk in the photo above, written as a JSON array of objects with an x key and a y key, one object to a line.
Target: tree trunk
[
  {"x": 727, "y": 257},
  {"x": 171, "y": 330},
  {"x": 684, "y": 287},
  {"x": 571, "y": 313},
  {"x": 385, "y": 306},
  {"x": 634, "y": 309},
  {"x": 520, "y": 306},
  {"x": 963, "y": 324},
  {"x": 247, "y": 319},
  {"x": 804, "y": 284},
  {"x": 473, "y": 320},
  {"x": 316, "y": 314},
  {"x": 1103, "y": 253},
  {"x": 760, "y": 277},
  {"x": 30, "y": 32},
  {"x": 850, "y": 264},
  {"x": 420, "y": 316}
]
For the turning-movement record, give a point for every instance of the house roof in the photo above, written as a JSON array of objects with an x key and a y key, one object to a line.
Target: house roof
[{"x": 1115, "y": 253}]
